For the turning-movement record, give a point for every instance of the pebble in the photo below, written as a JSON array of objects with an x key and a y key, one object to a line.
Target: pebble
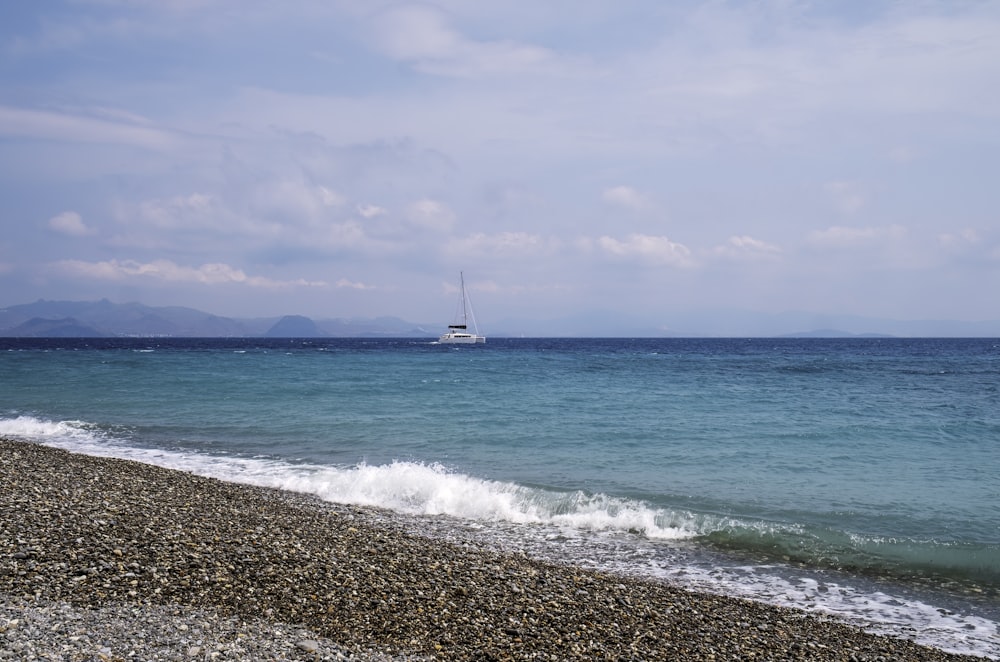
[
  {"x": 109, "y": 559},
  {"x": 308, "y": 645}
]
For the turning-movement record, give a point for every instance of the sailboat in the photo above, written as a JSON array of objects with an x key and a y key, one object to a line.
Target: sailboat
[{"x": 458, "y": 332}]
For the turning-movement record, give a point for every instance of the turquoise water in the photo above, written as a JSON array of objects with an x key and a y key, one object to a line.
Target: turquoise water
[{"x": 857, "y": 478}]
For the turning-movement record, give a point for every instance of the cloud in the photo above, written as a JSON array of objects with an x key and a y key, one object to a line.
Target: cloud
[
  {"x": 625, "y": 196},
  {"x": 49, "y": 125},
  {"x": 848, "y": 196},
  {"x": 970, "y": 246},
  {"x": 55, "y": 35},
  {"x": 431, "y": 215},
  {"x": 330, "y": 198},
  {"x": 424, "y": 37},
  {"x": 416, "y": 33},
  {"x": 71, "y": 223},
  {"x": 197, "y": 210},
  {"x": 745, "y": 247},
  {"x": 348, "y": 234},
  {"x": 292, "y": 201},
  {"x": 278, "y": 211},
  {"x": 279, "y": 214},
  {"x": 966, "y": 237},
  {"x": 166, "y": 270},
  {"x": 196, "y": 221},
  {"x": 503, "y": 243},
  {"x": 840, "y": 236},
  {"x": 370, "y": 211},
  {"x": 348, "y": 284},
  {"x": 652, "y": 248}
]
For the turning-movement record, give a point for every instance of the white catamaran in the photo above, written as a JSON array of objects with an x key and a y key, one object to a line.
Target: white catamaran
[{"x": 459, "y": 331}]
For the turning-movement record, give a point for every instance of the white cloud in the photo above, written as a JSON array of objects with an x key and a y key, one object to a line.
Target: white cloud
[
  {"x": 48, "y": 125},
  {"x": 503, "y": 243},
  {"x": 841, "y": 236},
  {"x": 330, "y": 198},
  {"x": 658, "y": 249},
  {"x": 370, "y": 211},
  {"x": 966, "y": 237},
  {"x": 745, "y": 247},
  {"x": 353, "y": 285},
  {"x": 625, "y": 196},
  {"x": 166, "y": 270},
  {"x": 848, "y": 196},
  {"x": 414, "y": 33},
  {"x": 292, "y": 202},
  {"x": 280, "y": 210},
  {"x": 197, "y": 210},
  {"x": 194, "y": 222},
  {"x": 71, "y": 223},
  {"x": 348, "y": 234},
  {"x": 970, "y": 246},
  {"x": 424, "y": 37},
  {"x": 431, "y": 215}
]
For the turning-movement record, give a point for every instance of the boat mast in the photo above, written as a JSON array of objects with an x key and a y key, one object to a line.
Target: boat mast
[{"x": 465, "y": 313}]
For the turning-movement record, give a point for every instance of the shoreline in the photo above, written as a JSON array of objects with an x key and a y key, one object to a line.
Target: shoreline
[{"x": 279, "y": 575}]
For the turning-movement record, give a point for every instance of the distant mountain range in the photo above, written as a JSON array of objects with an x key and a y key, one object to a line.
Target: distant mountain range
[
  {"x": 94, "y": 319},
  {"x": 104, "y": 319}
]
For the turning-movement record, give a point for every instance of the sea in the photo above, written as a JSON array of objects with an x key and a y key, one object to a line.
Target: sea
[{"x": 855, "y": 479}]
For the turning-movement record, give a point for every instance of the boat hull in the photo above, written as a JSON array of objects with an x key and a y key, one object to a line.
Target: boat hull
[{"x": 461, "y": 339}]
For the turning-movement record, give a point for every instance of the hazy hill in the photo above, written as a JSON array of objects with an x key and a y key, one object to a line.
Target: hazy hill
[
  {"x": 122, "y": 319},
  {"x": 295, "y": 326},
  {"x": 86, "y": 319},
  {"x": 67, "y": 327}
]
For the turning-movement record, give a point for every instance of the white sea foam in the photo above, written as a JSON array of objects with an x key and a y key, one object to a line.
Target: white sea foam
[
  {"x": 431, "y": 489},
  {"x": 407, "y": 487},
  {"x": 65, "y": 433},
  {"x": 873, "y": 610}
]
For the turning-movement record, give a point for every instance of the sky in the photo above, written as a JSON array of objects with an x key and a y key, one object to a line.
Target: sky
[{"x": 350, "y": 158}]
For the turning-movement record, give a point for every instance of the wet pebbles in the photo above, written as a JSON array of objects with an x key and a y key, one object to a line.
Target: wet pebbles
[{"x": 105, "y": 559}]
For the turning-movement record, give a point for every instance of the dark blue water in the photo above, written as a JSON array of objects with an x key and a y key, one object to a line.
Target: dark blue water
[{"x": 852, "y": 477}]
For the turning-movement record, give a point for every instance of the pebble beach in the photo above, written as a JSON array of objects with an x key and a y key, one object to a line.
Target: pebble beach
[{"x": 108, "y": 559}]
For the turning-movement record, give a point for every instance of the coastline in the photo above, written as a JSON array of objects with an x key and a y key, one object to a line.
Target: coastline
[{"x": 255, "y": 573}]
